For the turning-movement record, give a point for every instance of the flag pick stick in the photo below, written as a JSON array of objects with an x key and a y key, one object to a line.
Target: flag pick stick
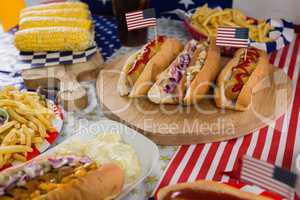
[
  {"x": 156, "y": 33},
  {"x": 246, "y": 51},
  {"x": 245, "y": 54}
]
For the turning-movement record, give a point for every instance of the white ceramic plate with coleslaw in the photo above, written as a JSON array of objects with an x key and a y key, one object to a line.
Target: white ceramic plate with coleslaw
[{"x": 145, "y": 149}]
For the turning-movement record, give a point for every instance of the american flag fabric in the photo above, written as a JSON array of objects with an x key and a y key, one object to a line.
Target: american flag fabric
[
  {"x": 268, "y": 176},
  {"x": 140, "y": 19},
  {"x": 232, "y": 37},
  {"x": 277, "y": 143}
]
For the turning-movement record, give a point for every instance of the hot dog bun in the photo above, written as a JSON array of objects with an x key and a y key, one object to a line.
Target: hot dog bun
[
  {"x": 137, "y": 84},
  {"x": 206, "y": 190},
  {"x": 205, "y": 77},
  {"x": 123, "y": 86},
  {"x": 105, "y": 183},
  {"x": 188, "y": 91},
  {"x": 244, "y": 97}
]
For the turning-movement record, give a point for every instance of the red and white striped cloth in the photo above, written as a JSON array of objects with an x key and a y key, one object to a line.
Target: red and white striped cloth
[{"x": 277, "y": 143}]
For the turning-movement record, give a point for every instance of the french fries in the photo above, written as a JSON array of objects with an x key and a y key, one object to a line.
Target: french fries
[
  {"x": 37, "y": 140},
  {"x": 19, "y": 157},
  {"x": 29, "y": 120},
  {"x": 8, "y": 150},
  {"x": 16, "y": 116},
  {"x": 7, "y": 126},
  {"x": 206, "y": 20}
]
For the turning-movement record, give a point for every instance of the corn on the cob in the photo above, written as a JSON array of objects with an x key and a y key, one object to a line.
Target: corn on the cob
[
  {"x": 53, "y": 39},
  {"x": 36, "y": 22},
  {"x": 60, "y": 5},
  {"x": 68, "y": 13}
]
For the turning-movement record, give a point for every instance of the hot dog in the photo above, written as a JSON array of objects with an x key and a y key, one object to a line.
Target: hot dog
[
  {"x": 205, "y": 190},
  {"x": 141, "y": 68},
  {"x": 188, "y": 78},
  {"x": 60, "y": 178},
  {"x": 237, "y": 80}
]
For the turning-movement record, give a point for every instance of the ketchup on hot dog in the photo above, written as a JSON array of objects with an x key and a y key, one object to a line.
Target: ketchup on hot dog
[
  {"x": 252, "y": 57},
  {"x": 146, "y": 53},
  {"x": 242, "y": 72}
]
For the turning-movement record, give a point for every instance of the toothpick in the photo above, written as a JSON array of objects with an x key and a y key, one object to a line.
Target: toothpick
[
  {"x": 245, "y": 54},
  {"x": 156, "y": 33},
  {"x": 246, "y": 51}
]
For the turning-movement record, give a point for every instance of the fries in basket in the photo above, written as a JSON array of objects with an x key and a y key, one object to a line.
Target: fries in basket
[
  {"x": 30, "y": 117},
  {"x": 206, "y": 20}
]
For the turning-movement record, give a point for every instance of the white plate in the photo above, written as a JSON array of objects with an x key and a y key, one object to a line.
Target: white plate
[{"x": 146, "y": 150}]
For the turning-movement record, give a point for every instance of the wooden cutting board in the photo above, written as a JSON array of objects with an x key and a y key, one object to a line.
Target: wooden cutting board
[
  {"x": 66, "y": 78},
  {"x": 177, "y": 125}
]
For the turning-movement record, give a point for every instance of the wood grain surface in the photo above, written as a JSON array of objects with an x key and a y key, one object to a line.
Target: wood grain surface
[{"x": 201, "y": 123}]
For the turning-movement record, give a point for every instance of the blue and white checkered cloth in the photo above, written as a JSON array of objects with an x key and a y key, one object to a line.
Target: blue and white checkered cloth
[
  {"x": 283, "y": 33},
  {"x": 41, "y": 59}
]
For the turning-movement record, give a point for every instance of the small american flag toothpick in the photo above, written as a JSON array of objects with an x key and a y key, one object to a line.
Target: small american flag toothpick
[
  {"x": 233, "y": 37},
  {"x": 140, "y": 19},
  {"x": 268, "y": 176}
]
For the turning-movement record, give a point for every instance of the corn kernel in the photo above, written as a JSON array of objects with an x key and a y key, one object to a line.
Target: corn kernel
[{"x": 53, "y": 39}]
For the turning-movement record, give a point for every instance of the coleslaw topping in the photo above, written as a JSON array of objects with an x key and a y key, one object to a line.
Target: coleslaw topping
[{"x": 35, "y": 169}]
